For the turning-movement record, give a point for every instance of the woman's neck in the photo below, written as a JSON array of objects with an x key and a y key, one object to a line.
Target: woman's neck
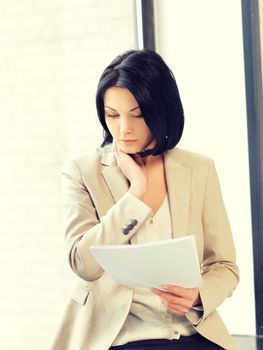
[{"x": 150, "y": 160}]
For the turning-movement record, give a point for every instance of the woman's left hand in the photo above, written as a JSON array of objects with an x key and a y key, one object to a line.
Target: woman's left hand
[{"x": 178, "y": 300}]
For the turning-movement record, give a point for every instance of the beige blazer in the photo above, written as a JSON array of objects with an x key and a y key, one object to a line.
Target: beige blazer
[{"x": 97, "y": 208}]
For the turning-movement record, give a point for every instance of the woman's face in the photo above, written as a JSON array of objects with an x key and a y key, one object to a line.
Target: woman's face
[{"x": 125, "y": 122}]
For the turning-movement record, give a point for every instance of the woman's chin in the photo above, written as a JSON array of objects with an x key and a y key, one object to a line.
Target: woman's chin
[{"x": 130, "y": 150}]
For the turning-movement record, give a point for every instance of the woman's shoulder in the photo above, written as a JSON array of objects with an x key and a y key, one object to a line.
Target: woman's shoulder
[
  {"x": 188, "y": 157},
  {"x": 199, "y": 164},
  {"x": 88, "y": 160}
]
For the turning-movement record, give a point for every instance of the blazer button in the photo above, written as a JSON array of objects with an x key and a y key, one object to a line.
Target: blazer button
[
  {"x": 134, "y": 222},
  {"x": 125, "y": 231},
  {"x": 130, "y": 227}
]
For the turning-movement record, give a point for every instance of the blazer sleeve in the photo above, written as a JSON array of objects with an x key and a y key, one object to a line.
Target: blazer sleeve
[
  {"x": 83, "y": 228},
  {"x": 219, "y": 270}
]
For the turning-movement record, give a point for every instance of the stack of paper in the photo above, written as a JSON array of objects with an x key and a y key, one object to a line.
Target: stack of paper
[{"x": 173, "y": 261}]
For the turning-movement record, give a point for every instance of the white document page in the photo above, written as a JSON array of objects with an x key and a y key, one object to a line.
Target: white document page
[{"x": 173, "y": 261}]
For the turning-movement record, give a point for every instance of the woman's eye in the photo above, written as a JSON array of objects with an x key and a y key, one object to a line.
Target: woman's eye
[
  {"x": 112, "y": 115},
  {"x": 138, "y": 116}
]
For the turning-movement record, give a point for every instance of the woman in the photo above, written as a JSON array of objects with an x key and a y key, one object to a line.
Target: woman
[{"x": 139, "y": 187}]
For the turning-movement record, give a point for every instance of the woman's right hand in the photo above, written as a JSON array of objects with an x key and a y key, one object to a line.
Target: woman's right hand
[{"x": 134, "y": 170}]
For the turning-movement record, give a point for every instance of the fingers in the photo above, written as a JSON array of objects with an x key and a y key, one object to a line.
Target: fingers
[
  {"x": 192, "y": 294},
  {"x": 176, "y": 290},
  {"x": 117, "y": 147},
  {"x": 116, "y": 151},
  {"x": 114, "y": 147},
  {"x": 178, "y": 304},
  {"x": 119, "y": 154},
  {"x": 171, "y": 288},
  {"x": 173, "y": 299},
  {"x": 139, "y": 160},
  {"x": 116, "y": 155},
  {"x": 177, "y": 310}
]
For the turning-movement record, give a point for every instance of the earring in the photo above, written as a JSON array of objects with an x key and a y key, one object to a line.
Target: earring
[{"x": 166, "y": 136}]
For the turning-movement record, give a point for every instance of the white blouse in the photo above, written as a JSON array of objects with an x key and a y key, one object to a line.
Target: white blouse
[{"x": 148, "y": 318}]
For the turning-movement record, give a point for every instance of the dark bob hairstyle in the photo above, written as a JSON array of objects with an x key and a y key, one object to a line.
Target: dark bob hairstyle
[{"x": 145, "y": 74}]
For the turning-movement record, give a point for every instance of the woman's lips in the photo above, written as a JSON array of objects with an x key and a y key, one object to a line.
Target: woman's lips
[{"x": 128, "y": 141}]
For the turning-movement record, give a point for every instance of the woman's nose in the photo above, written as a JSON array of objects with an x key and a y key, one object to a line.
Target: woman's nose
[{"x": 125, "y": 125}]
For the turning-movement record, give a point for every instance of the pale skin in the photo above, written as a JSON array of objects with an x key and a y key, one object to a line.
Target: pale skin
[{"x": 131, "y": 135}]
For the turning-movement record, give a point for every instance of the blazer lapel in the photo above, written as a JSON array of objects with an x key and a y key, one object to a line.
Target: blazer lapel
[
  {"x": 115, "y": 180},
  {"x": 178, "y": 178}
]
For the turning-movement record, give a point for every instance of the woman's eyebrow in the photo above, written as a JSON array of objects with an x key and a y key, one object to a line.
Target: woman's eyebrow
[{"x": 131, "y": 110}]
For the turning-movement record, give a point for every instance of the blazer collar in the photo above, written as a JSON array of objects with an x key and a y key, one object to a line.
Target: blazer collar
[
  {"x": 178, "y": 179},
  {"x": 114, "y": 178}
]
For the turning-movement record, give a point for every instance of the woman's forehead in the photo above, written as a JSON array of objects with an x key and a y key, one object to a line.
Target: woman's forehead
[{"x": 118, "y": 98}]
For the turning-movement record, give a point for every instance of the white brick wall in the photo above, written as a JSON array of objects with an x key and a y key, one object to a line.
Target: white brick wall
[{"x": 51, "y": 55}]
